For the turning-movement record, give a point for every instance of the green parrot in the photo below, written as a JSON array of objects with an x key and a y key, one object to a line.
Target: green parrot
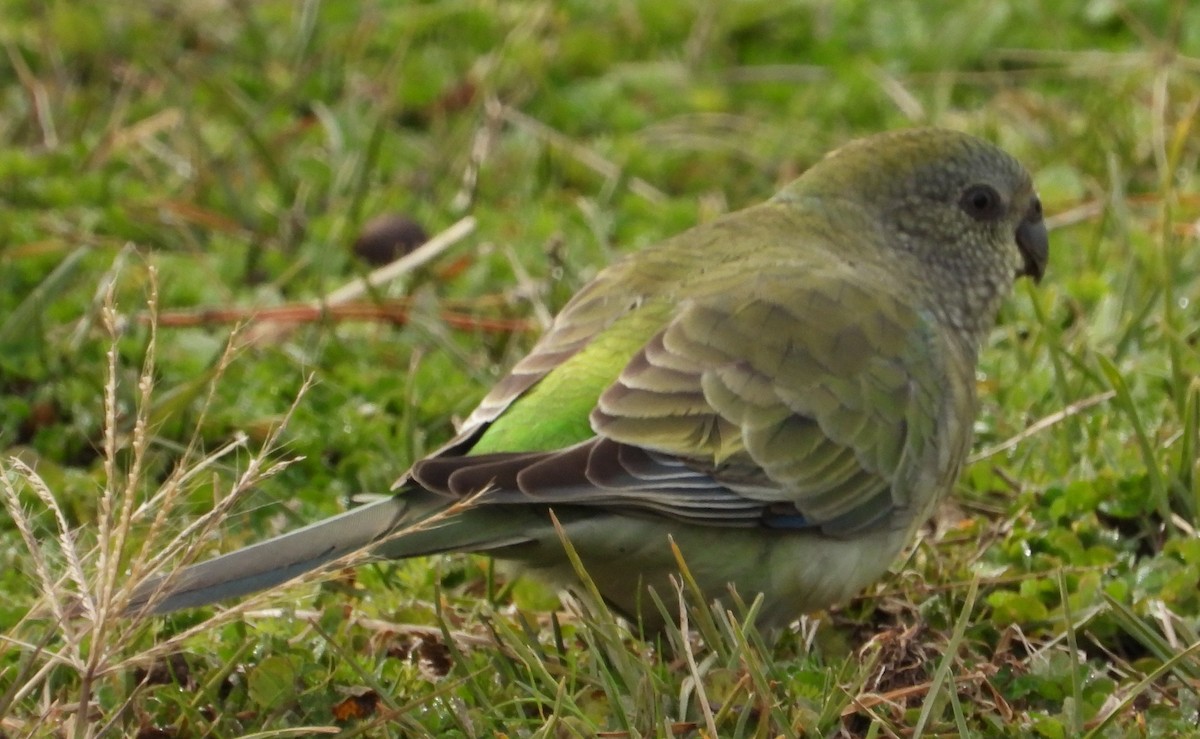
[{"x": 785, "y": 392}]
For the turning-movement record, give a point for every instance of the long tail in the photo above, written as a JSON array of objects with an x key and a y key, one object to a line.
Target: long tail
[
  {"x": 395, "y": 527},
  {"x": 269, "y": 563}
]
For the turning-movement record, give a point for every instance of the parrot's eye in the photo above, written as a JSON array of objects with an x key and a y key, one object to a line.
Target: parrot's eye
[{"x": 982, "y": 203}]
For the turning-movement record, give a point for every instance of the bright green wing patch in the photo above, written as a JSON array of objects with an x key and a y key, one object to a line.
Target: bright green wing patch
[{"x": 553, "y": 414}]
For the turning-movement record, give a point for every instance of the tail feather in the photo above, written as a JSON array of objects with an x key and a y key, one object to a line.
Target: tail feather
[
  {"x": 269, "y": 563},
  {"x": 407, "y": 524}
]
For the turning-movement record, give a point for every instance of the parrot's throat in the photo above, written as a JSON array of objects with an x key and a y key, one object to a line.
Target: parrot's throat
[{"x": 971, "y": 310}]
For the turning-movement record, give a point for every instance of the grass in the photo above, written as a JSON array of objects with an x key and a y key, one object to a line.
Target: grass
[{"x": 169, "y": 171}]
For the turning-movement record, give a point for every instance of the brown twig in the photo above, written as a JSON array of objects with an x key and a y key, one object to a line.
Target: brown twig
[
  {"x": 265, "y": 331},
  {"x": 395, "y": 311}
]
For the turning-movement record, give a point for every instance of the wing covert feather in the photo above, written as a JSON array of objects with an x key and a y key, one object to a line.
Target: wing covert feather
[{"x": 812, "y": 381}]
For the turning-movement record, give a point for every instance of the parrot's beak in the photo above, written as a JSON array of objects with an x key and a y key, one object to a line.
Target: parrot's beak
[{"x": 1033, "y": 241}]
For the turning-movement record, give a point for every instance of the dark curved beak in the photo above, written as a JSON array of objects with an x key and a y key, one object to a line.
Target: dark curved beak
[{"x": 1034, "y": 242}]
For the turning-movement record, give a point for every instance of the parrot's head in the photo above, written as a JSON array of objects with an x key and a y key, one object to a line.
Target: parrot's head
[{"x": 960, "y": 211}]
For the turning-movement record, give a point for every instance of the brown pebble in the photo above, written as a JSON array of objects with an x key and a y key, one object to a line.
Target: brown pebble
[{"x": 386, "y": 238}]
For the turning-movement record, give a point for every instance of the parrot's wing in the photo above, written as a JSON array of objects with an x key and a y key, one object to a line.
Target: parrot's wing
[
  {"x": 598, "y": 473},
  {"x": 776, "y": 406},
  {"x": 589, "y": 313},
  {"x": 820, "y": 396},
  {"x": 611, "y": 298},
  {"x": 590, "y": 341}
]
